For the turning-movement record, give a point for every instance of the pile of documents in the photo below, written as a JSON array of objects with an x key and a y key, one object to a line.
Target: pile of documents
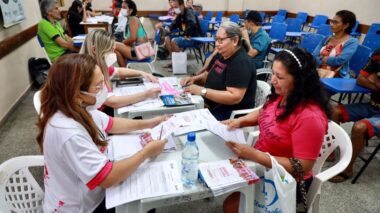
[{"x": 227, "y": 175}]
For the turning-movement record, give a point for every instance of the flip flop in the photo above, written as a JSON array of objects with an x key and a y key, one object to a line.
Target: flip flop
[{"x": 341, "y": 177}]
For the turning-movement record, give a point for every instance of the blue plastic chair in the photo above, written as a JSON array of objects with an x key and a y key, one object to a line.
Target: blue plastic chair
[
  {"x": 43, "y": 47},
  {"x": 262, "y": 14},
  {"x": 282, "y": 12},
  {"x": 294, "y": 24},
  {"x": 372, "y": 41},
  {"x": 219, "y": 16},
  {"x": 302, "y": 16},
  {"x": 234, "y": 18},
  {"x": 317, "y": 21},
  {"x": 360, "y": 58},
  {"x": 208, "y": 16},
  {"x": 354, "y": 31},
  {"x": 324, "y": 29},
  {"x": 373, "y": 28},
  {"x": 278, "y": 31},
  {"x": 310, "y": 41}
]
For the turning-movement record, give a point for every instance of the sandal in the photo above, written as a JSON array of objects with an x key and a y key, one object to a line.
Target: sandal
[{"x": 341, "y": 177}]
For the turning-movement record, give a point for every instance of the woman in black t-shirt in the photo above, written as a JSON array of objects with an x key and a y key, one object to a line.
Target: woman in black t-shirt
[
  {"x": 230, "y": 83},
  {"x": 75, "y": 15}
]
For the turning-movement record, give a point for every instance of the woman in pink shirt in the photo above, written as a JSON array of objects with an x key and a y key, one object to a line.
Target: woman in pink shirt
[{"x": 292, "y": 122}]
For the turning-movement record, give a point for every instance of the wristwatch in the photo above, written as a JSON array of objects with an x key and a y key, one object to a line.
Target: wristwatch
[{"x": 203, "y": 92}]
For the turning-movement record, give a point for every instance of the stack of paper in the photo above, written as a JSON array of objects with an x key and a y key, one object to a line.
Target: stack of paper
[
  {"x": 227, "y": 175},
  {"x": 149, "y": 180}
]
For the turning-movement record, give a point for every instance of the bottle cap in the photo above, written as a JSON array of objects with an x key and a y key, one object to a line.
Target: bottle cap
[{"x": 191, "y": 136}]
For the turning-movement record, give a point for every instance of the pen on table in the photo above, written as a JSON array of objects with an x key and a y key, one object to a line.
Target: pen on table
[{"x": 162, "y": 126}]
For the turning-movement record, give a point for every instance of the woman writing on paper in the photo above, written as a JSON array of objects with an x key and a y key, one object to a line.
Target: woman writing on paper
[
  {"x": 230, "y": 83},
  {"x": 292, "y": 122},
  {"x": 73, "y": 137},
  {"x": 100, "y": 45}
]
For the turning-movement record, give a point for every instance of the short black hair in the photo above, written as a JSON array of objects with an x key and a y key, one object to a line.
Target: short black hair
[
  {"x": 255, "y": 17},
  {"x": 347, "y": 17},
  {"x": 180, "y": 2}
]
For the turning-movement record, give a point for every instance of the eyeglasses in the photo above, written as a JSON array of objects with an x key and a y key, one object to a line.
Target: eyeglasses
[
  {"x": 220, "y": 40},
  {"x": 334, "y": 22}
]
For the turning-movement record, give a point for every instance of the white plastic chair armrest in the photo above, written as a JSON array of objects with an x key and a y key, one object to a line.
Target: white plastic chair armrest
[
  {"x": 253, "y": 137},
  {"x": 241, "y": 112}
]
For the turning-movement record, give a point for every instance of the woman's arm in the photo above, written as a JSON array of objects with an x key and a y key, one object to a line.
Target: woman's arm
[
  {"x": 120, "y": 101},
  {"x": 122, "y": 169},
  {"x": 123, "y": 125},
  {"x": 123, "y": 72},
  {"x": 251, "y": 119},
  {"x": 349, "y": 48},
  {"x": 133, "y": 28},
  {"x": 316, "y": 52}
]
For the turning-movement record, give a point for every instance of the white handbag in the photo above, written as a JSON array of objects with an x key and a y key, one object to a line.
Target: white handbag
[
  {"x": 276, "y": 191},
  {"x": 179, "y": 61}
]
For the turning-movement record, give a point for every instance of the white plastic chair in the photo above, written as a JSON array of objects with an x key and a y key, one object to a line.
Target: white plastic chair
[
  {"x": 262, "y": 91},
  {"x": 336, "y": 137},
  {"x": 19, "y": 191},
  {"x": 264, "y": 74},
  {"x": 37, "y": 101}
]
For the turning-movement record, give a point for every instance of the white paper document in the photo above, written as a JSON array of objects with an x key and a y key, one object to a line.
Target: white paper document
[
  {"x": 124, "y": 146},
  {"x": 150, "y": 180},
  {"x": 236, "y": 135}
]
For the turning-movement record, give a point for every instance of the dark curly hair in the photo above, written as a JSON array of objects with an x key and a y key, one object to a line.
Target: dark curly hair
[
  {"x": 307, "y": 87},
  {"x": 347, "y": 17}
]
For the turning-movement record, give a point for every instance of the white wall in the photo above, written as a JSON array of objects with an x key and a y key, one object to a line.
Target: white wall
[
  {"x": 366, "y": 11},
  {"x": 14, "y": 74},
  {"x": 261, "y": 5}
]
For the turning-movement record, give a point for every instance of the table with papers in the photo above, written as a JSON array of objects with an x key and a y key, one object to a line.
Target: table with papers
[
  {"x": 153, "y": 107},
  {"x": 212, "y": 148},
  {"x": 98, "y": 22}
]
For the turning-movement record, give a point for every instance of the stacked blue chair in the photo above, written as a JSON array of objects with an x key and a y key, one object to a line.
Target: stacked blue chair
[
  {"x": 219, "y": 16},
  {"x": 310, "y": 41},
  {"x": 294, "y": 24},
  {"x": 372, "y": 41},
  {"x": 317, "y": 21},
  {"x": 277, "y": 33},
  {"x": 276, "y": 19},
  {"x": 302, "y": 16},
  {"x": 374, "y": 28},
  {"x": 263, "y": 15},
  {"x": 324, "y": 29},
  {"x": 208, "y": 16}
]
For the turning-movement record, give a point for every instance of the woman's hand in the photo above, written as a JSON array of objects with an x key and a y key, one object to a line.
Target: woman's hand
[
  {"x": 150, "y": 77},
  {"x": 232, "y": 123},
  {"x": 157, "y": 120},
  {"x": 152, "y": 92},
  {"x": 153, "y": 148},
  {"x": 241, "y": 150},
  {"x": 186, "y": 81},
  {"x": 194, "y": 89}
]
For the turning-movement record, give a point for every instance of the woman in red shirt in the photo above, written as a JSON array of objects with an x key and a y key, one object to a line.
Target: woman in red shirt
[{"x": 292, "y": 122}]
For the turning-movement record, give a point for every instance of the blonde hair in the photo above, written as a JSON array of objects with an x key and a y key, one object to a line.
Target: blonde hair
[{"x": 97, "y": 43}]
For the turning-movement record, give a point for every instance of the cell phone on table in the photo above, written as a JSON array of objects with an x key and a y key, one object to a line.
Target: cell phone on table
[{"x": 129, "y": 82}]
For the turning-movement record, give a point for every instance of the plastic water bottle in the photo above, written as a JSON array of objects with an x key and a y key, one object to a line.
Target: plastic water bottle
[{"x": 190, "y": 156}]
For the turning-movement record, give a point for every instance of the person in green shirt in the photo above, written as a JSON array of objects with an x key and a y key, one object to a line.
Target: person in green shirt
[{"x": 50, "y": 31}]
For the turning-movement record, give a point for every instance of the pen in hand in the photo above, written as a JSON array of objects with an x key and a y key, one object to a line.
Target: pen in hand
[{"x": 162, "y": 126}]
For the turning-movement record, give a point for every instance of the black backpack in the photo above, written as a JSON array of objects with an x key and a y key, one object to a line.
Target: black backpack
[{"x": 38, "y": 69}]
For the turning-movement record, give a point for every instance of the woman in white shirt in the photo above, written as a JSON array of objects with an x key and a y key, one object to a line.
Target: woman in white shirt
[{"x": 72, "y": 137}]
